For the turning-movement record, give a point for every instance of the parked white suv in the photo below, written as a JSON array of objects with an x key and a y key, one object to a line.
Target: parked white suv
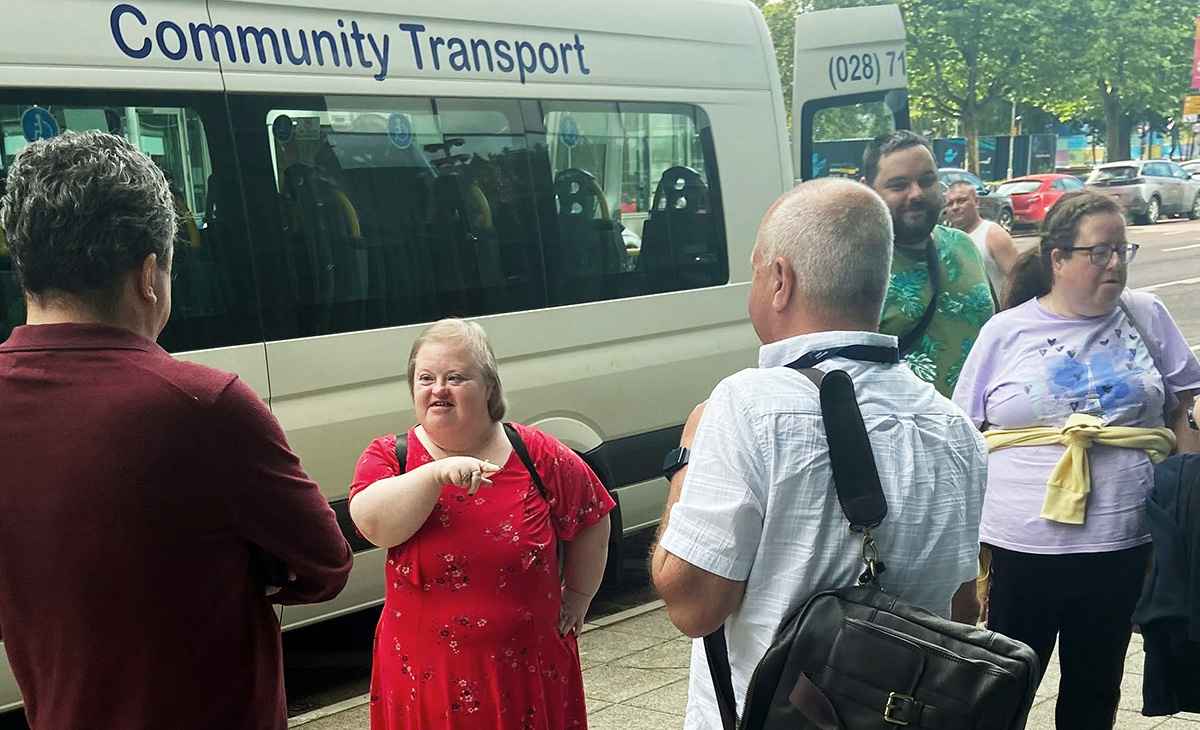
[{"x": 1148, "y": 190}]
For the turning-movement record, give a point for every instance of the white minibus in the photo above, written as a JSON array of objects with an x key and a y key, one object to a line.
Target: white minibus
[{"x": 584, "y": 179}]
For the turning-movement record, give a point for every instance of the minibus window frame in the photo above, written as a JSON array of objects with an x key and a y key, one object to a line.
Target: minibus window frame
[{"x": 900, "y": 118}]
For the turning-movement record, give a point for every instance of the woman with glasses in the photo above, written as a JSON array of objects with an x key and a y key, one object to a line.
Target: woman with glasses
[{"x": 1079, "y": 386}]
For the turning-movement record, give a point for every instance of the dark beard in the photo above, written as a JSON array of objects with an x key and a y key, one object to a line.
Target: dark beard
[{"x": 908, "y": 235}]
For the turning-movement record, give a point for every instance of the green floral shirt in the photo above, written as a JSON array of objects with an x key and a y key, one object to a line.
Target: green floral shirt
[{"x": 964, "y": 304}]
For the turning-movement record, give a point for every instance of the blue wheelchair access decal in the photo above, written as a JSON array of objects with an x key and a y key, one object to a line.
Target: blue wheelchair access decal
[
  {"x": 568, "y": 131},
  {"x": 950, "y": 156},
  {"x": 37, "y": 123},
  {"x": 400, "y": 130}
]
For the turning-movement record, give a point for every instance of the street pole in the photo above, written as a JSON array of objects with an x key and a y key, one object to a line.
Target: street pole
[{"x": 1012, "y": 138}]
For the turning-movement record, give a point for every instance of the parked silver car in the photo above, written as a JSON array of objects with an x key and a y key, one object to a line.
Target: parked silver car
[
  {"x": 992, "y": 206},
  {"x": 1149, "y": 190}
]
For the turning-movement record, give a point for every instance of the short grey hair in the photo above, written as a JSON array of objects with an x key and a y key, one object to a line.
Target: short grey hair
[
  {"x": 80, "y": 210},
  {"x": 837, "y": 235},
  {"x": 472, "y": 337},
  {"x": 963, "y": 184}
]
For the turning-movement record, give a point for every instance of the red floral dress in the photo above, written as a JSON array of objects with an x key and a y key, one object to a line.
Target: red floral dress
[{"x": 469, "y": 632}]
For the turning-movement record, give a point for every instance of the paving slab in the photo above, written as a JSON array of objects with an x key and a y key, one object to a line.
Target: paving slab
[
  {"x": 604, "y": 646},
  {"x": 673, "y": 654},
  {"x": 620, "y": 717},
  {"x": 614, "y": 683},
  {"x": 670, "y": 700},
  {"x": 655, "y": 624}
]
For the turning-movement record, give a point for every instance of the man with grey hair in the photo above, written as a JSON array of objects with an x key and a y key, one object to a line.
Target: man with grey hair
[
  {"x": 995, "y": 246},
  {"x": 753, "y": 527},
  {"x": 151, "y": 509}
]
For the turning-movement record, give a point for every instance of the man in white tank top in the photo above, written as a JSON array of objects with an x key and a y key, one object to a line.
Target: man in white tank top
[{"x": 994, "y": 244}]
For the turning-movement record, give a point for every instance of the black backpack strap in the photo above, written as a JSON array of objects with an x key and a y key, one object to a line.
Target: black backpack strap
[
  {"x": 716, "y": 651},
  {"x": 856, "y": 480},
  {"x": 402, "y": 452},
  {"x": 514, "y": 438}
]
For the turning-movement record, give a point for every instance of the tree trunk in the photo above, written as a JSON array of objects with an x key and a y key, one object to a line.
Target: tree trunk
[
  {"x": 970, "y": 127},
  {"x": 1126, "y": 131},
  {"x": 1116, "y": 145}
]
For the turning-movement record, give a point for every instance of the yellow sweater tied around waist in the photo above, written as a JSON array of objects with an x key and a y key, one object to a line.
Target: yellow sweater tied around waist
[{"x": 1071, "y": 480}]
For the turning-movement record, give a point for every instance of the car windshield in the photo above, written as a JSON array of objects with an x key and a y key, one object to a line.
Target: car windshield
[
  {"x": 1019, "y": 187},
  {"x": 1114, "y": 173}
]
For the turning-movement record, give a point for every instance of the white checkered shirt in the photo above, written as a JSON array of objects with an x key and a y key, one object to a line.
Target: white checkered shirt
[{"x": 759, "y": 505}]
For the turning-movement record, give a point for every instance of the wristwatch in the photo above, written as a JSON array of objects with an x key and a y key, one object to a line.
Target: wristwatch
[
  {"x": 1191, "y": 416},
  {"x": 677, "y": 458}
]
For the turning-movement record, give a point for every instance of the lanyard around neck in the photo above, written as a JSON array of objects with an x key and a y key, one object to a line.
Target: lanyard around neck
[{"x": 862, "y": 353}]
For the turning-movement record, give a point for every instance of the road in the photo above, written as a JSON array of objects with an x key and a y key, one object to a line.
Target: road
[{"x": 1168, "y": 264}]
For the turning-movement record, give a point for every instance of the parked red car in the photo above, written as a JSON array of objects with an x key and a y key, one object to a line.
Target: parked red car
[{"x": 1033, "y": 195}]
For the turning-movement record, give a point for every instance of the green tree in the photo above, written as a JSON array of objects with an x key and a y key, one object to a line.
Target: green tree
[
  {"x": 781, "y": 21},
  {"x": 1121, "y": 60},
  {"x": 963, "y": 55}
]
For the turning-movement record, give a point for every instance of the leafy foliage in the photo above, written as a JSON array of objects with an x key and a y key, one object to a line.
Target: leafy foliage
[{"x": 1108, "y": 61}]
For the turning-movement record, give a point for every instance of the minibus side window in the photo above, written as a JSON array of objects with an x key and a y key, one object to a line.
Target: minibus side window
[
  {"x": 375, "y": 212},
  {"x": 637, "y": 204},
  {"x": 385, "y": 212},
  {"x": 212, "y": 292}
]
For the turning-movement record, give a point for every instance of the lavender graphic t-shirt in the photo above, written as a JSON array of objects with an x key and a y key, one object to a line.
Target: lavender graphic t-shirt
[{"x": 1031, "y": 367}]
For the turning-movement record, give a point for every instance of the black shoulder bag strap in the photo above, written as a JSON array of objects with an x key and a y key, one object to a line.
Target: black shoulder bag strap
[
  {"x": 402, "y": 452},
  {"x": 856, "y": 480},
  {"x": 1150, "y": 348},
  {"x": 1137, "y": 326},
  {"x": 514, "y": 438},
  {"x": 910, "y": 338},
  {"x": 518, "y": 445}
]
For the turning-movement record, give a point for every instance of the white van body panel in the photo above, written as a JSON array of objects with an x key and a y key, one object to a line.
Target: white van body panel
[
  {"x": 590, "y": 374},
  {"x": 846, "y": 52},
  {"x": 597, "y": 375}
]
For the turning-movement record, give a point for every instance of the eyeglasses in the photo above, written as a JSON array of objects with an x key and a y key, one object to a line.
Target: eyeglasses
[{"x": 1100, "y": 255}]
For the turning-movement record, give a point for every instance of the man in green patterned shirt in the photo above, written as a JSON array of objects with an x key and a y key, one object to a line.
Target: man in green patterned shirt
[{"x": 939, "y": 297}]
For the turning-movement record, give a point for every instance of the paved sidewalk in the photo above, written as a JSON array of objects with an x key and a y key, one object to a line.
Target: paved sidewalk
[{"x": 635, "y": 678}]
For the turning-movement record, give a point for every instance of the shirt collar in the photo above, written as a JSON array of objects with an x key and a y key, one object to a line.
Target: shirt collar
[
  {"x": 779, "y": 354},
  {"x": 73, "y": 336}
]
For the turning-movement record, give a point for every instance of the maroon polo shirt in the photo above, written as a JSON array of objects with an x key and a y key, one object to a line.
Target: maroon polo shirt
[{"x": 138, "y": 494}]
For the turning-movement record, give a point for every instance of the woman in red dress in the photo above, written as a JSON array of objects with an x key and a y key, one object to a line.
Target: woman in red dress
[{"x": 479, "y": 625}]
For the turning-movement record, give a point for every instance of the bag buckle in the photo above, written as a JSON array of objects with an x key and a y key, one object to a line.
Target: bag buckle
[
  {"x": 897, "y": 703},
  {"x": 870, "y": 557}
]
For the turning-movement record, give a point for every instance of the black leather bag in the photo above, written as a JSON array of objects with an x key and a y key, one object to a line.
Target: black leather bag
[{"x": 857, "y": 658}]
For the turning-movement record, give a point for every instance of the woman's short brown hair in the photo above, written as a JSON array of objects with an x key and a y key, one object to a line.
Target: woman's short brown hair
[
  {"x": 1032, "y": 275},
  {"x": 471, "y": 336}
]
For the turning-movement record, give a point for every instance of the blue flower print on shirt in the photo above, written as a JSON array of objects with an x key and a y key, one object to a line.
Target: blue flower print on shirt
[
  {"x": 1068, "y": 380},
  {"x": 1112, "y": 387}
]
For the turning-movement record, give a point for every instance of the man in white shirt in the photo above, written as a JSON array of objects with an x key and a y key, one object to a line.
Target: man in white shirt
[
  {"x": 756, "y": 528},
  {"x": 994, "y": 244}
]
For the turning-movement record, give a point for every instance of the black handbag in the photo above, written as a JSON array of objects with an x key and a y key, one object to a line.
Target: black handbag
[{"x": 857, "y": 658}]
